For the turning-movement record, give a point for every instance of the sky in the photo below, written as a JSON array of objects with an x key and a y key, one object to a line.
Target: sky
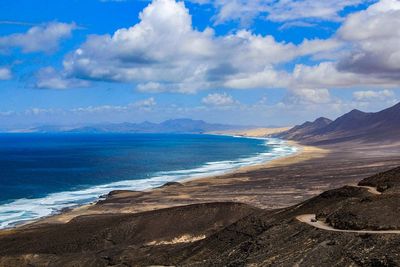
[{"x": 248, "y": 62}]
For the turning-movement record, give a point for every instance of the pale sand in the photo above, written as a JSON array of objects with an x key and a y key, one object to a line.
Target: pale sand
[
  {"x": 303, "y": 153},
  {"x": 178, "y": 240},
  {"x": 257, "y": 132},
  {"x": 193, "y": 189}
]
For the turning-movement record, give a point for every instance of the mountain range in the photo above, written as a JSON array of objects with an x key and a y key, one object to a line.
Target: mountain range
[
  {"x": 169, "y": 126},
  {"x": 353, "y": 126}
]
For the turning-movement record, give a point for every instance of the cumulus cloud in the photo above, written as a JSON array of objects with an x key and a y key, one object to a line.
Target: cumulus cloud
[
  {"x": 370, "y": 55},
  {"x": 49, "y": 78},
  {"x": 5, "y": 73},
  {"x": 39, "y": 111},
  {"x": 144, "y": 105},
  {"x": 308, "y": 96},
  {"x": 289, "y": 10},
  {"x": 219, "y": 100},
  {"x": 163, "y": 52},
  {"x": 42, "y": 38},
  {"x": 371, "y": 95},
  {"x": 375, "y": 37},
  {"x": 163, "y": 47},
  {"x": 279, "y": 11},
  {"x": 365, "y": 50}
]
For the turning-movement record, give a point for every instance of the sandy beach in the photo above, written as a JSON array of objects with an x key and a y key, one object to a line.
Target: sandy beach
[
  {"x": 275, "y": 184},
  {"x": 256, "y": 132},
  {"x": 184, "y": 192}
]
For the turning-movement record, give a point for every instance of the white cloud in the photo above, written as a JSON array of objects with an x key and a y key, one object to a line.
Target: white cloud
[
  {"x": 219, "y": 100},
  {"x": 163, "y": 47},
  {"x": 43, "y": 38},
  {"x": 279, "y": 11},
  {"x": 151, "y": 87},
  {"x": 375, "y": 37},
  {"x": 5, "y": 73},
  {"x": 39, "y": 111},
  {"x": 371, "y": 95},
  {"x": 289, "y": 10},
  {"x": 163, "y": 52},
  {"x": 49, "y": 78},
  {"x": 7, "y": 113},
  {"x": 144, "y": 105},
  {"x": 308, "y": 96},
  {"x": 298, "y": 24},
  {"x": 266, "y": 78}
]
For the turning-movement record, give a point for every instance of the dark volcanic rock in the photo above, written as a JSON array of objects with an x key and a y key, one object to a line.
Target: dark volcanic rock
[
  {"x": 374, "y": 213},
  {"x": 384, "y": 181},
  {"x": 117, "y": 192},
  {"x": 171, "y": 184},
  {"x": 100, "y": 240}
]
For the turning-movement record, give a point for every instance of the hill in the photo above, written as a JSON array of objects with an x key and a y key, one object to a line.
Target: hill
[
  {"x": 306, "y": 129},
  {"x": 383, "y": 126}
]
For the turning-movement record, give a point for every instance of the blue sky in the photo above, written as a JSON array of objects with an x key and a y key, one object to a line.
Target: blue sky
[{"x": 255, "y": 62}]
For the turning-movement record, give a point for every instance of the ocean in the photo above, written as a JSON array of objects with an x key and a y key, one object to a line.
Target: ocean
[{"x": 44, "y": 173}]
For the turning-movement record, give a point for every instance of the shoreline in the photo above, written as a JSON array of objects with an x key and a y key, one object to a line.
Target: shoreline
[
  {"x": 78, "y": 206},
  {"x": 303, "y": 153}
]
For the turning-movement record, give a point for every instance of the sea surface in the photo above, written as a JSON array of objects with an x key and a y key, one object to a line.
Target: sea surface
[{"x": 40, "y": 174}]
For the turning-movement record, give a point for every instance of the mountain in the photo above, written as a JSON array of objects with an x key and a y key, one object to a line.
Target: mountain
[
  {"x": 305, "y": 129},
  {"x": 382, "y": 126},
  {"x": 169, "y": 126}
]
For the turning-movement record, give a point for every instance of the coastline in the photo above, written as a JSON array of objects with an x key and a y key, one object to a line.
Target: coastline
[
  {"x": 303, "y": 153},
  {"x": 276, "y": 148}
]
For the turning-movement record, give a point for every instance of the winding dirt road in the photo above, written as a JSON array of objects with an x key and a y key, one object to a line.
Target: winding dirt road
[{"x": 310, "y": 219}]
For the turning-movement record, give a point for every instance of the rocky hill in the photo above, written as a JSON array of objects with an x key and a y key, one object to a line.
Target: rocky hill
[
  {"x": 306, "y": 129},
  {"x": 383, "y": 126}
]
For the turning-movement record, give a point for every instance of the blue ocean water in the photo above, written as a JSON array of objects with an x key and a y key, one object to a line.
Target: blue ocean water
[{"x": 43, "y": 173}]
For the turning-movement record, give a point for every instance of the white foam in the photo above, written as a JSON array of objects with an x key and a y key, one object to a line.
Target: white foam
[{"x": 30, "y": 209}]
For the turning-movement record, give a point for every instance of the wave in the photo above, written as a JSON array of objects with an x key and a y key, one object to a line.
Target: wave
[{"x": 22, "y": 210}]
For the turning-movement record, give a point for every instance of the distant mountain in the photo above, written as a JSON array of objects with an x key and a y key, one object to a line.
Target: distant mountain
[
  {"x": 169, "y": 126},
  {"x": 383, "y": 126}
]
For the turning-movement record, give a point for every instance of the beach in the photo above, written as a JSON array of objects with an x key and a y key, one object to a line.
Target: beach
[
  {"x": 276, "y": 184},
  {"x": 186, "y": 191},
  {"x": 80, "y": 168}
]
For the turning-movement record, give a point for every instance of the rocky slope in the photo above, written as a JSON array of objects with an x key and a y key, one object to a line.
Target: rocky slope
[
  {"x": 382, "y": 127},
  {"x": 306, "y": 129}
]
